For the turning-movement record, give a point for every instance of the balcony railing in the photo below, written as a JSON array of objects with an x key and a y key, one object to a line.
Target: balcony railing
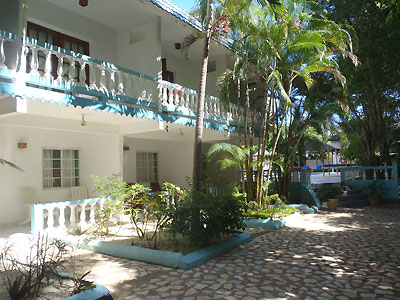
[{"x": 54, "y": 74}]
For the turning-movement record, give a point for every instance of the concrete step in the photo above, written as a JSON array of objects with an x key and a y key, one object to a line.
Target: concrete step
[{"x": 357, "y": 200}]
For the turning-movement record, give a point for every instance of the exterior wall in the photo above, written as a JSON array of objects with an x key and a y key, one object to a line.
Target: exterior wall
[
  {"x": 9, "y": 15},
  {"x": 139, "y": 47},
  {"x": 187, "y": 72},
  {"x": 175, "y": 159},
  {"x": 99, "y": 155},
  {"x": 102, "y": 40}
]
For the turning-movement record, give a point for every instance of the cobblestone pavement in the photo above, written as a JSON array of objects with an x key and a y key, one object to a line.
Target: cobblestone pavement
[{"x": 348, "y": 254}]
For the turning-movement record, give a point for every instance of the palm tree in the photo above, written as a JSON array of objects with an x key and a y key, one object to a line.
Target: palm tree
[
  {"x": 207, "y": 12},
  {"x": 285, "y": 48}
]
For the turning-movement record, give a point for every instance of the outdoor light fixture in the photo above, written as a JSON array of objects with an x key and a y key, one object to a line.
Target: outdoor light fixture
[
  {"x": 83, "y": 122},
  {"x": 83, "y": 3}
]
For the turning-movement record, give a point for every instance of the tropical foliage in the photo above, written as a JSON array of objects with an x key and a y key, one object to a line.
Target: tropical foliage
[{"x": 284, "y": 52}]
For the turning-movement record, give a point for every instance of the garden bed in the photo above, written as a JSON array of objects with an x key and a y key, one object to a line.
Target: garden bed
[
  {"x": 185, "y": 261},
  {"x": 278, "y": 223}
]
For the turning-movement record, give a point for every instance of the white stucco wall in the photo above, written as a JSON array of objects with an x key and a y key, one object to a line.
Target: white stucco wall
[
  {"x": 187, "y": 72},
  {"x": 102, "y": 39},
  {"x": 139, "y": 47},
  {"x": 174, "y": 159},
  {"x": 99, "y": 155}
]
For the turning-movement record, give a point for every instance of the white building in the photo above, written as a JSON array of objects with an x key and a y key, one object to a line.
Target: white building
[{"x": 87, "y": 92}]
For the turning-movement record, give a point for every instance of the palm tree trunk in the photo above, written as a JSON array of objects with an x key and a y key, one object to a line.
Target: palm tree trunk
[{"x": 197, "y": 172}]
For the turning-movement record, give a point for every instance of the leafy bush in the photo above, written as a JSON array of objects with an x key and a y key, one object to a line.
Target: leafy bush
[
  {"x": 23, "y": 280},
  {"x": 208, "y": 218},
  {"x": 274, "y": 208},
  {"x": 270, "y": 212},
  {"x": 329, "y": 192},
  {"x": 115, "y": 191}
]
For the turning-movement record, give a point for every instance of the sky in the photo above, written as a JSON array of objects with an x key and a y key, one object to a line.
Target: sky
[{"x": 185, "y": 4}]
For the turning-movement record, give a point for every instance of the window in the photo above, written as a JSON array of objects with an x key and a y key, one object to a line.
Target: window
[
  {"x": 45, "y": 35},
  {"x": 60, "y": 168},
  {"x": 146, "y": 167}
]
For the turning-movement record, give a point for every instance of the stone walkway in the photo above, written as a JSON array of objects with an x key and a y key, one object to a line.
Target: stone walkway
[{"x": 349, "y": 254}]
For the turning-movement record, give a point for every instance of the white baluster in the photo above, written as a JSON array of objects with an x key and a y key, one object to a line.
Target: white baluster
[
  {"x": 72, "y": 72},
  {"x": 82, "y": 74},
  {"x": 50, "y": 218},
  {"x": 34, "y": 62},
  {"x": 186, "y": 100},
  {"x": 72, "y": 218},
  {"x": 61, "y": 218},
  {"x": 112, "y": 84},
  {"x": 206, "y": 107},
  {"x": 2, "y": 55},
  {"x": 170, "y": 96},
  {"x": 47, "y": 66},
  {"x": 386, "y": 175},
  {"x": 374, "y": 173},
  {"x": 60, "y": 68},
  {"x": 103, "y": 79},
  {"x": 364, "y": 175},
  {"x": 92, "y": 213},
  {"x": 92, "y": 75},
  {"x": 121, "y": 85},
  {"x": 164, "y": 95},
  {"x": 82, "y": 222},
  {"x": 22, "y": 58},
  {"x": 176, "y": 97}
]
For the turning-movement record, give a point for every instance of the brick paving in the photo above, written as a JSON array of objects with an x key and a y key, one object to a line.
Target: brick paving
[{"x": 348, "y": 254}]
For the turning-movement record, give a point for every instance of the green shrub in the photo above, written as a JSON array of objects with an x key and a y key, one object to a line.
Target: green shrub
[
  {"x": 275, "y": 208},
  {"x": 270, "y": 212},
  {"x": 215, "y": 217}
]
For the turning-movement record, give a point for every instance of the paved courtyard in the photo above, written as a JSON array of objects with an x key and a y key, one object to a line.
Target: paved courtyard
[{"x": 348, "y": 254}]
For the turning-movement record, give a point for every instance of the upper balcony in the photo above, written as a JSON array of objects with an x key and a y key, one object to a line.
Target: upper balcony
[
  {"x": 130, "y": 46},
  {"x": 50, "y": 73}
]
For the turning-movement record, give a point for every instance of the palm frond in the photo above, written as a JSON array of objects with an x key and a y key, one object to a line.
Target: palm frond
[
  {"x": 189, "y": 40},
  {"x": 10, "y": 164}
]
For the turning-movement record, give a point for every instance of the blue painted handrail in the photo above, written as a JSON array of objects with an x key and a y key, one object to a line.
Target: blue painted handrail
[{"x": 390, "y": 185}]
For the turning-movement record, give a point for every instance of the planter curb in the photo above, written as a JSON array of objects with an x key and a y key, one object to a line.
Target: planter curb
[{"x": 162, "y": 257}]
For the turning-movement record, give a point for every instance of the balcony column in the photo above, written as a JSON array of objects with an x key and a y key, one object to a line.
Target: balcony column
[{"x": 21, "y": 35}]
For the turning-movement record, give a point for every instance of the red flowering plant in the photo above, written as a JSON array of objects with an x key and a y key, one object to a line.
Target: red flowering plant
[{"x": 221, "y": 25}]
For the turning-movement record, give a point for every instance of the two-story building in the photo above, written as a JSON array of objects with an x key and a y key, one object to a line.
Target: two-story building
[{"x": 100, "y": 89}]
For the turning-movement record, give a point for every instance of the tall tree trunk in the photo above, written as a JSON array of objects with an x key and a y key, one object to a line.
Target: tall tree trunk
[{"x": 198, "y": 138}]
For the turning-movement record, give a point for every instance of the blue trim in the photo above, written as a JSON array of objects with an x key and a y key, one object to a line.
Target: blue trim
[
  {"x": 178, "y": 13},
  {"x": 145, "y": 109},
  {"x": 265, "y": 223},
  {"x": 202, "y": 256},
  {"x": 93, "y": 294},
  {"x": 8, "y": 35},
  {"x": 68, "y": 94},
  {"x": 161, "y": 257}
]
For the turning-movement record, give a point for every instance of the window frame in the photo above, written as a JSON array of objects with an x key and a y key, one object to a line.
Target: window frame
[
  {"x": 59, "y": 41},
  {"x": 156, "y": 167},
  {"x": 62, "y": 168}
]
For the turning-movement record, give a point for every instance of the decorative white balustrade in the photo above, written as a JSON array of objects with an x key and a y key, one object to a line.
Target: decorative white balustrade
[
  {"x": 63, "y": 215},
  {"x": 367, "y": 173},
  {"x": 46, "y": 66},
  {"x": 362, "y": 177}
]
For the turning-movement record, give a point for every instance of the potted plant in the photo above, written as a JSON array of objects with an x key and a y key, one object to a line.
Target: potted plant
[
  {"x": 329, "y": 195},
  {"x": 376, "y": 190}
]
